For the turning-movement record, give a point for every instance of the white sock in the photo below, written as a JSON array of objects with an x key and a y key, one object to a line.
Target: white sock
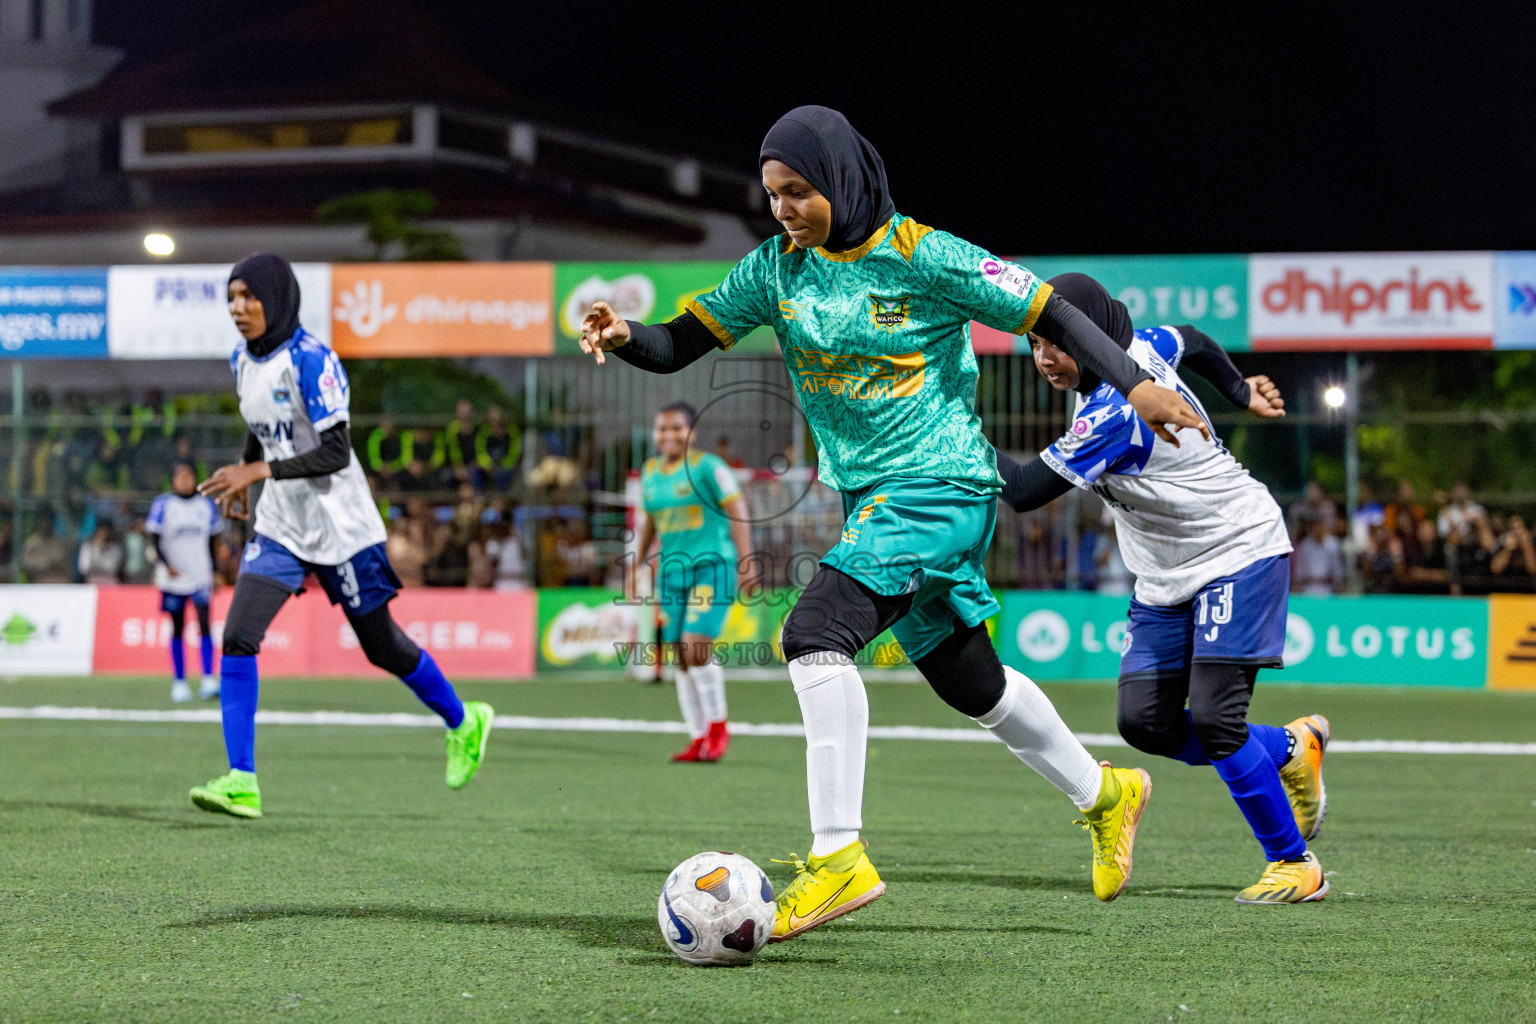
[
  {"x": 836, "y": 713},
  {"x": 688, "y": 700},
  {"x": 1026, "y": 720},
  {"x": 709, "y": 680}
]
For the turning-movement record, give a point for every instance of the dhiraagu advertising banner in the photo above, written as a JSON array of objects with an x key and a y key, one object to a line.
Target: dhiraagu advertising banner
[
  {"x": 647, "y": 292},
  {"x": 1383, "y": 640}
]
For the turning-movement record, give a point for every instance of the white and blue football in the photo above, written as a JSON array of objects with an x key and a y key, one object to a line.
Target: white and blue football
[{"x": 716, "y": 910}]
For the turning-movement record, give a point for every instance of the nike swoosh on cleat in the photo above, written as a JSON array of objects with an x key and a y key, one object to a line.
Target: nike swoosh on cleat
[{"x": 795, "y": 920}]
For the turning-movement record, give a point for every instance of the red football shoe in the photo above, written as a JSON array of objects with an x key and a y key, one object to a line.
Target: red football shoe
[
  {"x": 716, "y": 742},
  {"x": 694, "y": 751}
]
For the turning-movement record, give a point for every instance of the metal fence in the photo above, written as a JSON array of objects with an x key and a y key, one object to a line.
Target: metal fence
[{"x": 585, "y": 429}]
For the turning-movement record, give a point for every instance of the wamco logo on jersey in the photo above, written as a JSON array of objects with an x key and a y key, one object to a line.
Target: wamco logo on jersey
[{"x": 1398, "y": 299}]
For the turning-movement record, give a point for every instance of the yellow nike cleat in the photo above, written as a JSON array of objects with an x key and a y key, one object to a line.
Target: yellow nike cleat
[
  {"x": 1288, "y": 881},
  {"x": 825, "y": 888},
  {"x": 1302, "y": 775},
  {"x": 1112, "y": 824}
]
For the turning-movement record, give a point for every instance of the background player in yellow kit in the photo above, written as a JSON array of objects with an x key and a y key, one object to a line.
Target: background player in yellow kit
[{"x": 692, "y": 502}]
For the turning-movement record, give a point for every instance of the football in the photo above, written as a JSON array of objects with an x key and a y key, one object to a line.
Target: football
[{"x": 716, "y": 910}]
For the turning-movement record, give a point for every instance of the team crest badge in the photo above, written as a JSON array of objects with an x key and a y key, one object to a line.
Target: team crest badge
[
  {"x": 280, "y": 396},
  {"x": 889, "y": 314}
]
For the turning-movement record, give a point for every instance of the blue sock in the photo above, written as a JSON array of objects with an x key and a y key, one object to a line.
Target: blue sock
[
  {"x": 205, "y": 648},
  {"x": 1193, "y": 753},
  {"x": 1276, "y": 741},
  {"x": 1255, "y": 785},
  {"x": 178, "y": 659},
  {"x": 435, "y": 691},
  {"x": 237, "y": 700}
]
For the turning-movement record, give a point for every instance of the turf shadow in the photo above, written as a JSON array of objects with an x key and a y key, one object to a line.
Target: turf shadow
[
  {"x": 121, "y": 812},
  {"x": 1034, "y": 883},
  {"x": 1203, "y": 891},
  {"x": 949, "y": 929},
  {"x": 603, "y": 931}
]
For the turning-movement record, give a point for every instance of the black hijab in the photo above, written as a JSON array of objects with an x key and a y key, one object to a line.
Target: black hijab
[
  {"x": 270, "y": 278},
  {"x": 820, "y": 144},
  {"x": 1093, "y": 299}
]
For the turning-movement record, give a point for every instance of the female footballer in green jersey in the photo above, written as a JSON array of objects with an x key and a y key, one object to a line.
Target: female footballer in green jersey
[
  {"x": 872, "y": 312},
  {"x": 692, "y": 502}
]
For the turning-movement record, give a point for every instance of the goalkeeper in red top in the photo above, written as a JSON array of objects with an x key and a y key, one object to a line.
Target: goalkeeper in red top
[{"x": 872, "y": 312}]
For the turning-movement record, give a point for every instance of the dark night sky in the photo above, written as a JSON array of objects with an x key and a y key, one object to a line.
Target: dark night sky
[{"x": 1060, "y": 129}]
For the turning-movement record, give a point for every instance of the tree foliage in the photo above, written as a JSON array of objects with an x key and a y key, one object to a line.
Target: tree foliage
[{"x": 388, "y": 212}]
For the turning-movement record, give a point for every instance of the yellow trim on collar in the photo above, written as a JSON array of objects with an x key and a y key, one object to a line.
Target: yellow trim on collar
[
  {"x": 1035, "y": 308},
  {"x": 723, "y": 336},
  {"x": 853, "y": 255},
  {"x": 908, "y": 233}
]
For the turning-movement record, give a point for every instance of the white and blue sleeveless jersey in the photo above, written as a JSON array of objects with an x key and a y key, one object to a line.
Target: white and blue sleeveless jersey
[
  {"x": 288, "y": 399},
  {"x": 185, "y": 526},
  {"x": 1185, "y": 516}
]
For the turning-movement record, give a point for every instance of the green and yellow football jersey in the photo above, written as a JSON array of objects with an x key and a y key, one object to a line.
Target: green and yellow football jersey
[
  {"x": 686, "y": 505},
  {"x": 878, "y": 342}
]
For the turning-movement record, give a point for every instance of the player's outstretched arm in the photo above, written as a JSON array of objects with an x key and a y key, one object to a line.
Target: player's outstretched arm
[
  {"x": 1258, "y": 394},
  {"x": 656, "y": 348},
  {"x": 1029, "y": 485},
  {"x": 1069, "y": 328}
]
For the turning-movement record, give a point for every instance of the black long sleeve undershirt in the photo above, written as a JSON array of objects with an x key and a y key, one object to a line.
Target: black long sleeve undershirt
[
  {"x": 1098, "y": 357},
  {"x": 252, "y": 451},
  {"x": 1029, "y": 485},
  {"x": 331, "y": 455},
  {"x": 668, "y": 347},
  {"x": 1203, "y": 355}
]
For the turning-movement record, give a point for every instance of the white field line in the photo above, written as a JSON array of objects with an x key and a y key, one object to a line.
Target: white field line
[{"x": 878, "y": 732}]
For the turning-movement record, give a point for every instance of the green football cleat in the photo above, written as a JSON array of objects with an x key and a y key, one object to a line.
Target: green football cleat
[
  {"x": 466, "y": 744},
  {"x": 235, "y": 793}
]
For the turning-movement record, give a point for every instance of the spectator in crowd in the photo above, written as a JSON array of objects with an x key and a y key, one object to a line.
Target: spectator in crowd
[
  {"x": 1381, "y": 560},
  {"x": 389, "y": 453},
  {"x": 454, "y": 448},
  {"x": 101, "y": 557},
  {"x": 469, "y": 512},
  {"x": 505, "y": 549},
  {"x": 1035, "y": 569},
  {"x": 1469, "y": 551},
  {"x": 406, "y": 549},
  {"x": 447, "y": 552},
  {"x": 556, "y": 475},
  {"x": 1369, "y": 513},
  {"x": 415, "y": 475},
  {"x": 1403, "y": 507},
  {"x": 497, "y": 448},
  {"x": 137, "y": 567},
  {"x": 1314, "y": 507},
  {"x": 44, "y": 557},
  {"x": 1459, "y": 511},
  {"x": 1317, "y": 566},
  {"x": 1514, "y": 563},
  {"x": 1428, "y": 571}
]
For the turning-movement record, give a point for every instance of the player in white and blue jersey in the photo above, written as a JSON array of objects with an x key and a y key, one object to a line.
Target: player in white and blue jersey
[
  {"x": 1211, "y": 555},
  {"x": 316, "y": 515},
  {"x": 184, "y": 525}
]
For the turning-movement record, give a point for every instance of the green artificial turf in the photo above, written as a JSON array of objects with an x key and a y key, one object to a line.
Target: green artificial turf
[{"x": 372, "y": 893}]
